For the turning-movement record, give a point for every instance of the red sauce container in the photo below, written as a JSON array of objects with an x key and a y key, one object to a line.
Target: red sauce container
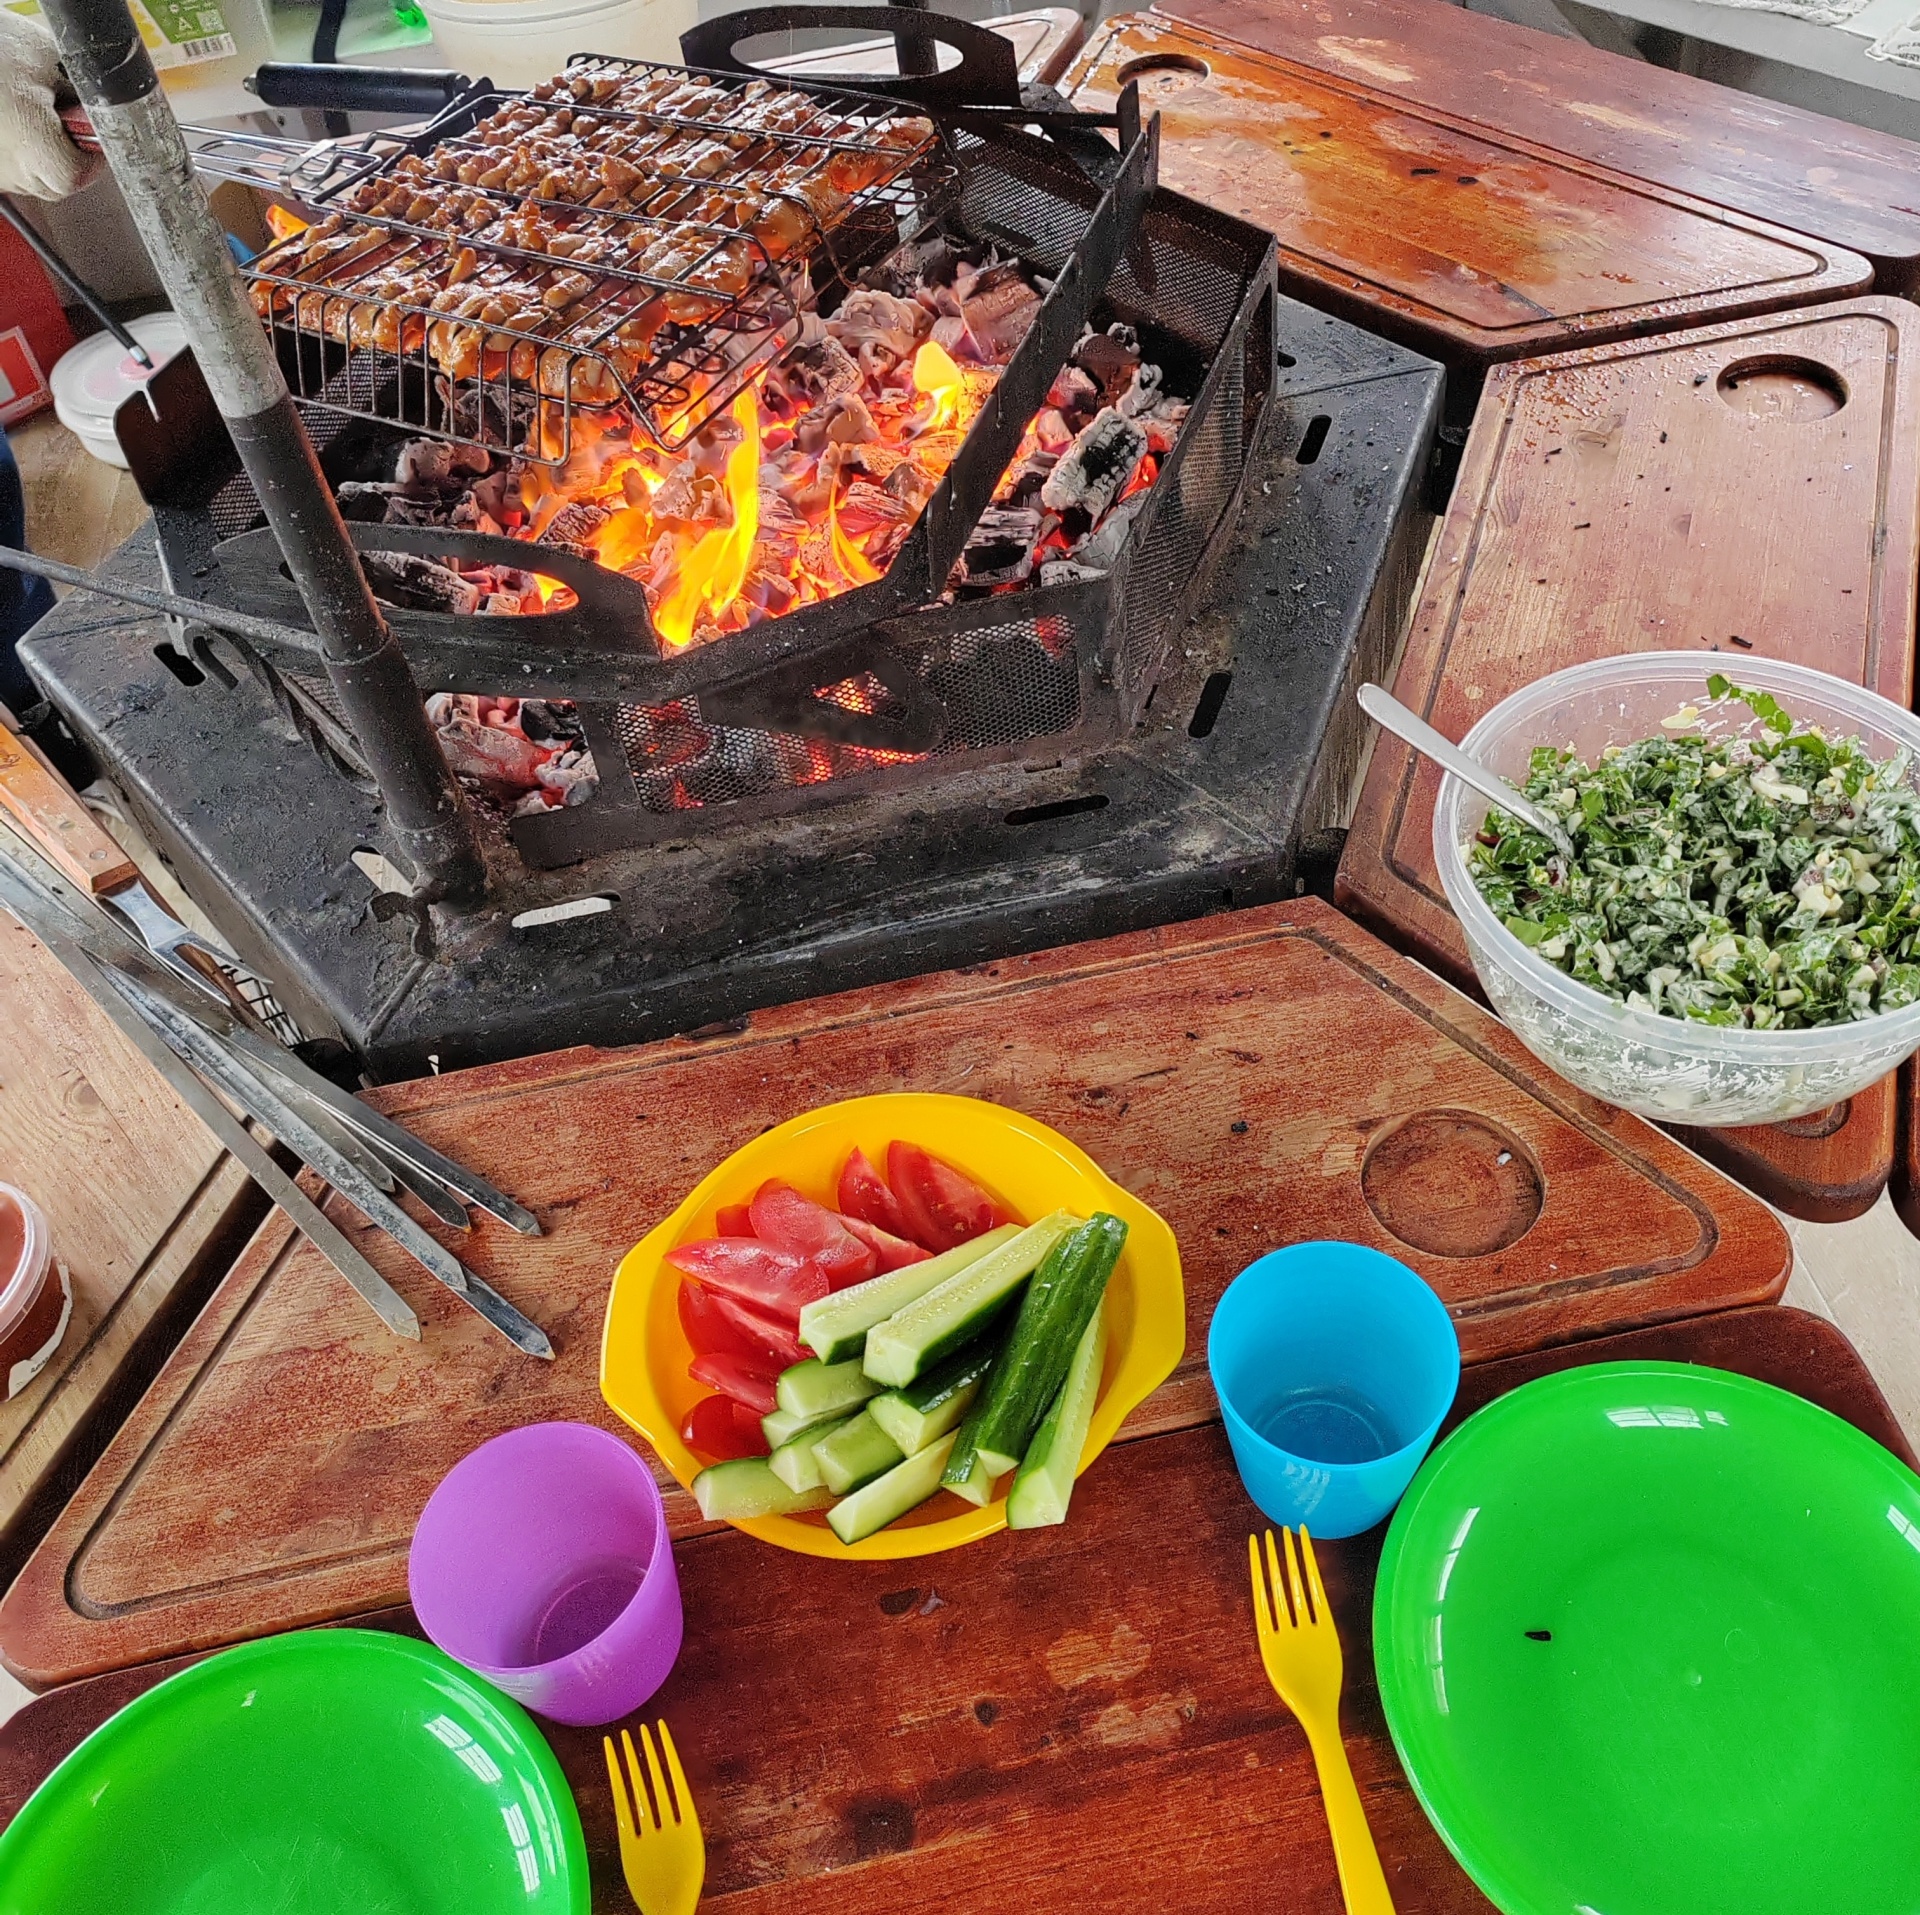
[{"x": 36, "y": 1297}]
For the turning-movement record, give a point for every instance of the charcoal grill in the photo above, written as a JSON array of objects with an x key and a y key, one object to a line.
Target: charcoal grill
[{"x": 893, "y": 683}]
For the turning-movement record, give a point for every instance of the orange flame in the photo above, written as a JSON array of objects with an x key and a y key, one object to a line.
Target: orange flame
[
  {"x": 935, "y": 375},
  {"x": 847, "y": 555},
  {"x": 283, "y": 224},
  {"x": 713, "y": 572}
]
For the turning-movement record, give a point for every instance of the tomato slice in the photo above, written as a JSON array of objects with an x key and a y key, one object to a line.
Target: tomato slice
[
  {"x": 708, "y": 1329},
  {"x": 942, "y": 1207},
  {"x": 864, "y": 1194},
  {"x": 761, "y": 1274},
  {"x": 894, "y": 1252},
  {"x": 721, "y": 1429},
  {"x": 747, "y": 1382},
  {"x": 762, "y": 1336},
  {"x": 789, "y": 1221},
  {"x": 733, "y": 1220}
]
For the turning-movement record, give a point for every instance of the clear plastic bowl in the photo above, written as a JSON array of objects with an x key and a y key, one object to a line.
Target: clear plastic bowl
[{"x": 1667, "y": 1068}]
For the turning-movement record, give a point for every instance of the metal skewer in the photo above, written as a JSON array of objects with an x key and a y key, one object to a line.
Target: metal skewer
[{"x": 61, "y": 271}]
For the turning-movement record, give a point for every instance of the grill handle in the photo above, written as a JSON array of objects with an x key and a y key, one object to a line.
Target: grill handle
[
  {"x": 357, "y": 89},
  {"x": 988, "y": 73}
]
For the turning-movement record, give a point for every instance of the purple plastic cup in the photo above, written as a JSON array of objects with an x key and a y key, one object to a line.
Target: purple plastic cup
[{"x": 542, "y": 1563}]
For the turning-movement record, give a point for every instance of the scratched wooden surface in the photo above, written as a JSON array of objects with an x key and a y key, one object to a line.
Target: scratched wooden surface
[
  {"x": 1234, "y": 1073},
  {"x": 1073, "y": 1719},
  {"x": 1662, "y": 495},
  {"x": 1845, "y": 184},
  {"x": 138, "y": 1194},
  {"x": 1466, "y": 243}
]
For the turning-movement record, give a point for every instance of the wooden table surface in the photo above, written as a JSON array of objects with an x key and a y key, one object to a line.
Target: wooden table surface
[
  {"x": 1260, "y": 1078},
  {"x": 1466, "y": 242},
  {"x": 1047, "y": 1721},
  {"x": 1656, "y": 495},
  {"x": 142, "y": 1202},
  {"x": 1848, "y": 185}
]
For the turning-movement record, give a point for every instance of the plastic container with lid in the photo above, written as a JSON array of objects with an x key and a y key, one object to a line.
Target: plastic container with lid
[
  {"x": 91, "y": 382},
  {"x": 36, "y": 1296}
]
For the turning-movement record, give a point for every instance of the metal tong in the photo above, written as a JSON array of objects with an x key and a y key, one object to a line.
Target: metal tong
[{"x": 203, "y": 1044}]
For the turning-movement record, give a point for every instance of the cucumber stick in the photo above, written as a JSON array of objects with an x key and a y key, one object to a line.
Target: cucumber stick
[
  {"x": 855, "y": 1453},
  {"x": 915, "y": 1338},
  {"x": 747, "y": 1487},
  {"x": 904, "y": 1487},
  {"x": 1043, "y": 1484},
  {"x": 835, "y": 1328},
  {"x": 815, "y": 1389},
  {"x": 926, "y": 1410},
  {"x": 782, "y": 1426},
  {"x": 795, "y": 1463},
  {"x": 1054, "y": 1314}
]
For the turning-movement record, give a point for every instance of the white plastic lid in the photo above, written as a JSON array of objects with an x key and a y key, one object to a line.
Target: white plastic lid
[
  {"x": 20, "y": 1282},
  {"x": 90, "y": 382}
]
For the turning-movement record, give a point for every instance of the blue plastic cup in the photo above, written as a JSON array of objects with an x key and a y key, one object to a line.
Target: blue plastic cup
[{"x": 1334, "y": 1365}]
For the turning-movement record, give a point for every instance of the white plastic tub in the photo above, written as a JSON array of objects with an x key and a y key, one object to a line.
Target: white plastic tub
[
  {"x": 521, "y": 42},
  {"x": 1667, "y": 1068}
]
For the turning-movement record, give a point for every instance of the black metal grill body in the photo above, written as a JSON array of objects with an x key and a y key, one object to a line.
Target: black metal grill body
[{"x": 1248, "y": 741}]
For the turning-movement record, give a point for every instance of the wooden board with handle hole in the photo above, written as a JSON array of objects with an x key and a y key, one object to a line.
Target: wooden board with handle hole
[
  {"x": 1745, "y": 489},
  {"x": 1039, "y": 1721},
  {"x": 1464, "y": 242},
  {"x": 1259, "y": 1078}
]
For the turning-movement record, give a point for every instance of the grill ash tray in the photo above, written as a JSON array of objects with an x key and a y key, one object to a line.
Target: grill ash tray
[{"x": 1248, "y": 744}]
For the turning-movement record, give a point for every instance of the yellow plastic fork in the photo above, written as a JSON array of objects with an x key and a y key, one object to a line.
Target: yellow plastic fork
[
  {"x": 661, "y": 1848},
  {"x": 1301, "y": 1650}
]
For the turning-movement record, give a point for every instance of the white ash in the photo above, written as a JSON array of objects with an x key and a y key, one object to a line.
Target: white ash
[{"x": 1096, "y": 466}]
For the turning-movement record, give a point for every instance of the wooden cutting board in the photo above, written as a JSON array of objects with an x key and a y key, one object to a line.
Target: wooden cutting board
[
  {"x": 1468, "y": 244},
  {"x": 143, "y": 1205},
  {"x": 1849, "y": 185},
  {"x": 1046, "y": 1721},
  {"x": 1694, "y": 490},
  {"x": 1259, "y": 1078}
]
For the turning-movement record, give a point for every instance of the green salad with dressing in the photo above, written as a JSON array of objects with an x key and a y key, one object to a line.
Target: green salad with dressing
[{"x": 1768, "y": 879}]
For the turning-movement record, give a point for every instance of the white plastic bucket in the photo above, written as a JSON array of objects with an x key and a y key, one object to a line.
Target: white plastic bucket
[{"x": 521, "y": 42}]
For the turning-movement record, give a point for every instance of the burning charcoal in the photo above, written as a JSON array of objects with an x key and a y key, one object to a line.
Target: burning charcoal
[
  {"x": 425, "y": 467},
  {"x": 502, "y": 761},
  {"x": 999, "y": 315},
  {"x": 1000, "y": 548},
  {"x": 1052, "y": 430},
  {"x": 845, "y": 420},
  {"x": 816, "y": 369},
  {"x": 577, "y": 523},
  {"x": 404, "y": 579},
  {"x": 911, "y": 486},
  {"x": 365, "y": 500},
  {"x": 498, "y": 496},
  {"x": 571, "y": 774},
  {"x": 1107, "y": 362},
  {"x": 1073, "y": 391},
  {"x": 1124, "y": 335},
  {"x": 1143, "y": 394},
  {"x": 877, "y": 329},
  {"x": 675, "y": 497},
  {"x": 1101, "y": 549},
  {"x": 867, "y": 508},
  {"x": 1068, "y": 572},
  {"x": 949, "y": 334},
  {"x": 1097, "y": 464},
  {"x": 1162, "y": 425},
  {"x": 551, "y": 722}
]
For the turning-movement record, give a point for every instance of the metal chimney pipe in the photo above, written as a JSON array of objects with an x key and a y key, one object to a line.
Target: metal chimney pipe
[{"x": 117, "y": 84}]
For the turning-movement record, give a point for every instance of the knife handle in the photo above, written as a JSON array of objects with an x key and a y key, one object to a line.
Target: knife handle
[{"x": 59, "y": 825}]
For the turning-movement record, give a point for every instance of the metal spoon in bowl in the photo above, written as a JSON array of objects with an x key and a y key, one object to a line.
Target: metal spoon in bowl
[{"x": 1386, "y": 710}]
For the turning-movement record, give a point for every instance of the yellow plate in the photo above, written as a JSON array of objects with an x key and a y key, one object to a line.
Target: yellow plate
[{"x": 644, "y": 1353}]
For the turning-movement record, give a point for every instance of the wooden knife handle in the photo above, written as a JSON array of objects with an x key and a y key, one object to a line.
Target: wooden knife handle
[{"x": 59, "y": 825}]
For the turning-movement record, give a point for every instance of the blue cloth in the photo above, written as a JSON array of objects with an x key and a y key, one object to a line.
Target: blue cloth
[{"x": 24, "y": 601}]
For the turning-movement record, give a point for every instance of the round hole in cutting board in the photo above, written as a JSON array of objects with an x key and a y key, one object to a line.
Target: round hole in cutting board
[
  {"x": 1819, "y": 1123},
  {"x": 1778, "y": 387},
  {"x": 1162, "y": 75},
  {"x": 1452, "y": 1183}
]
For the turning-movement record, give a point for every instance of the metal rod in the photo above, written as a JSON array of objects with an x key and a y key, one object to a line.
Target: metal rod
[
  {"x": 262, "y": 631},
  {"x": 74, "y": 284},
  {"x": 45, "y": 919},
  {"x": 115, "y": 79}
]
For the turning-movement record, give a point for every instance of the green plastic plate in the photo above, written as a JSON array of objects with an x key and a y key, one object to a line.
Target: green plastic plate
[
  {"x": 1648, "y": 1639},
  {"x": 331, "y": 1771}
]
